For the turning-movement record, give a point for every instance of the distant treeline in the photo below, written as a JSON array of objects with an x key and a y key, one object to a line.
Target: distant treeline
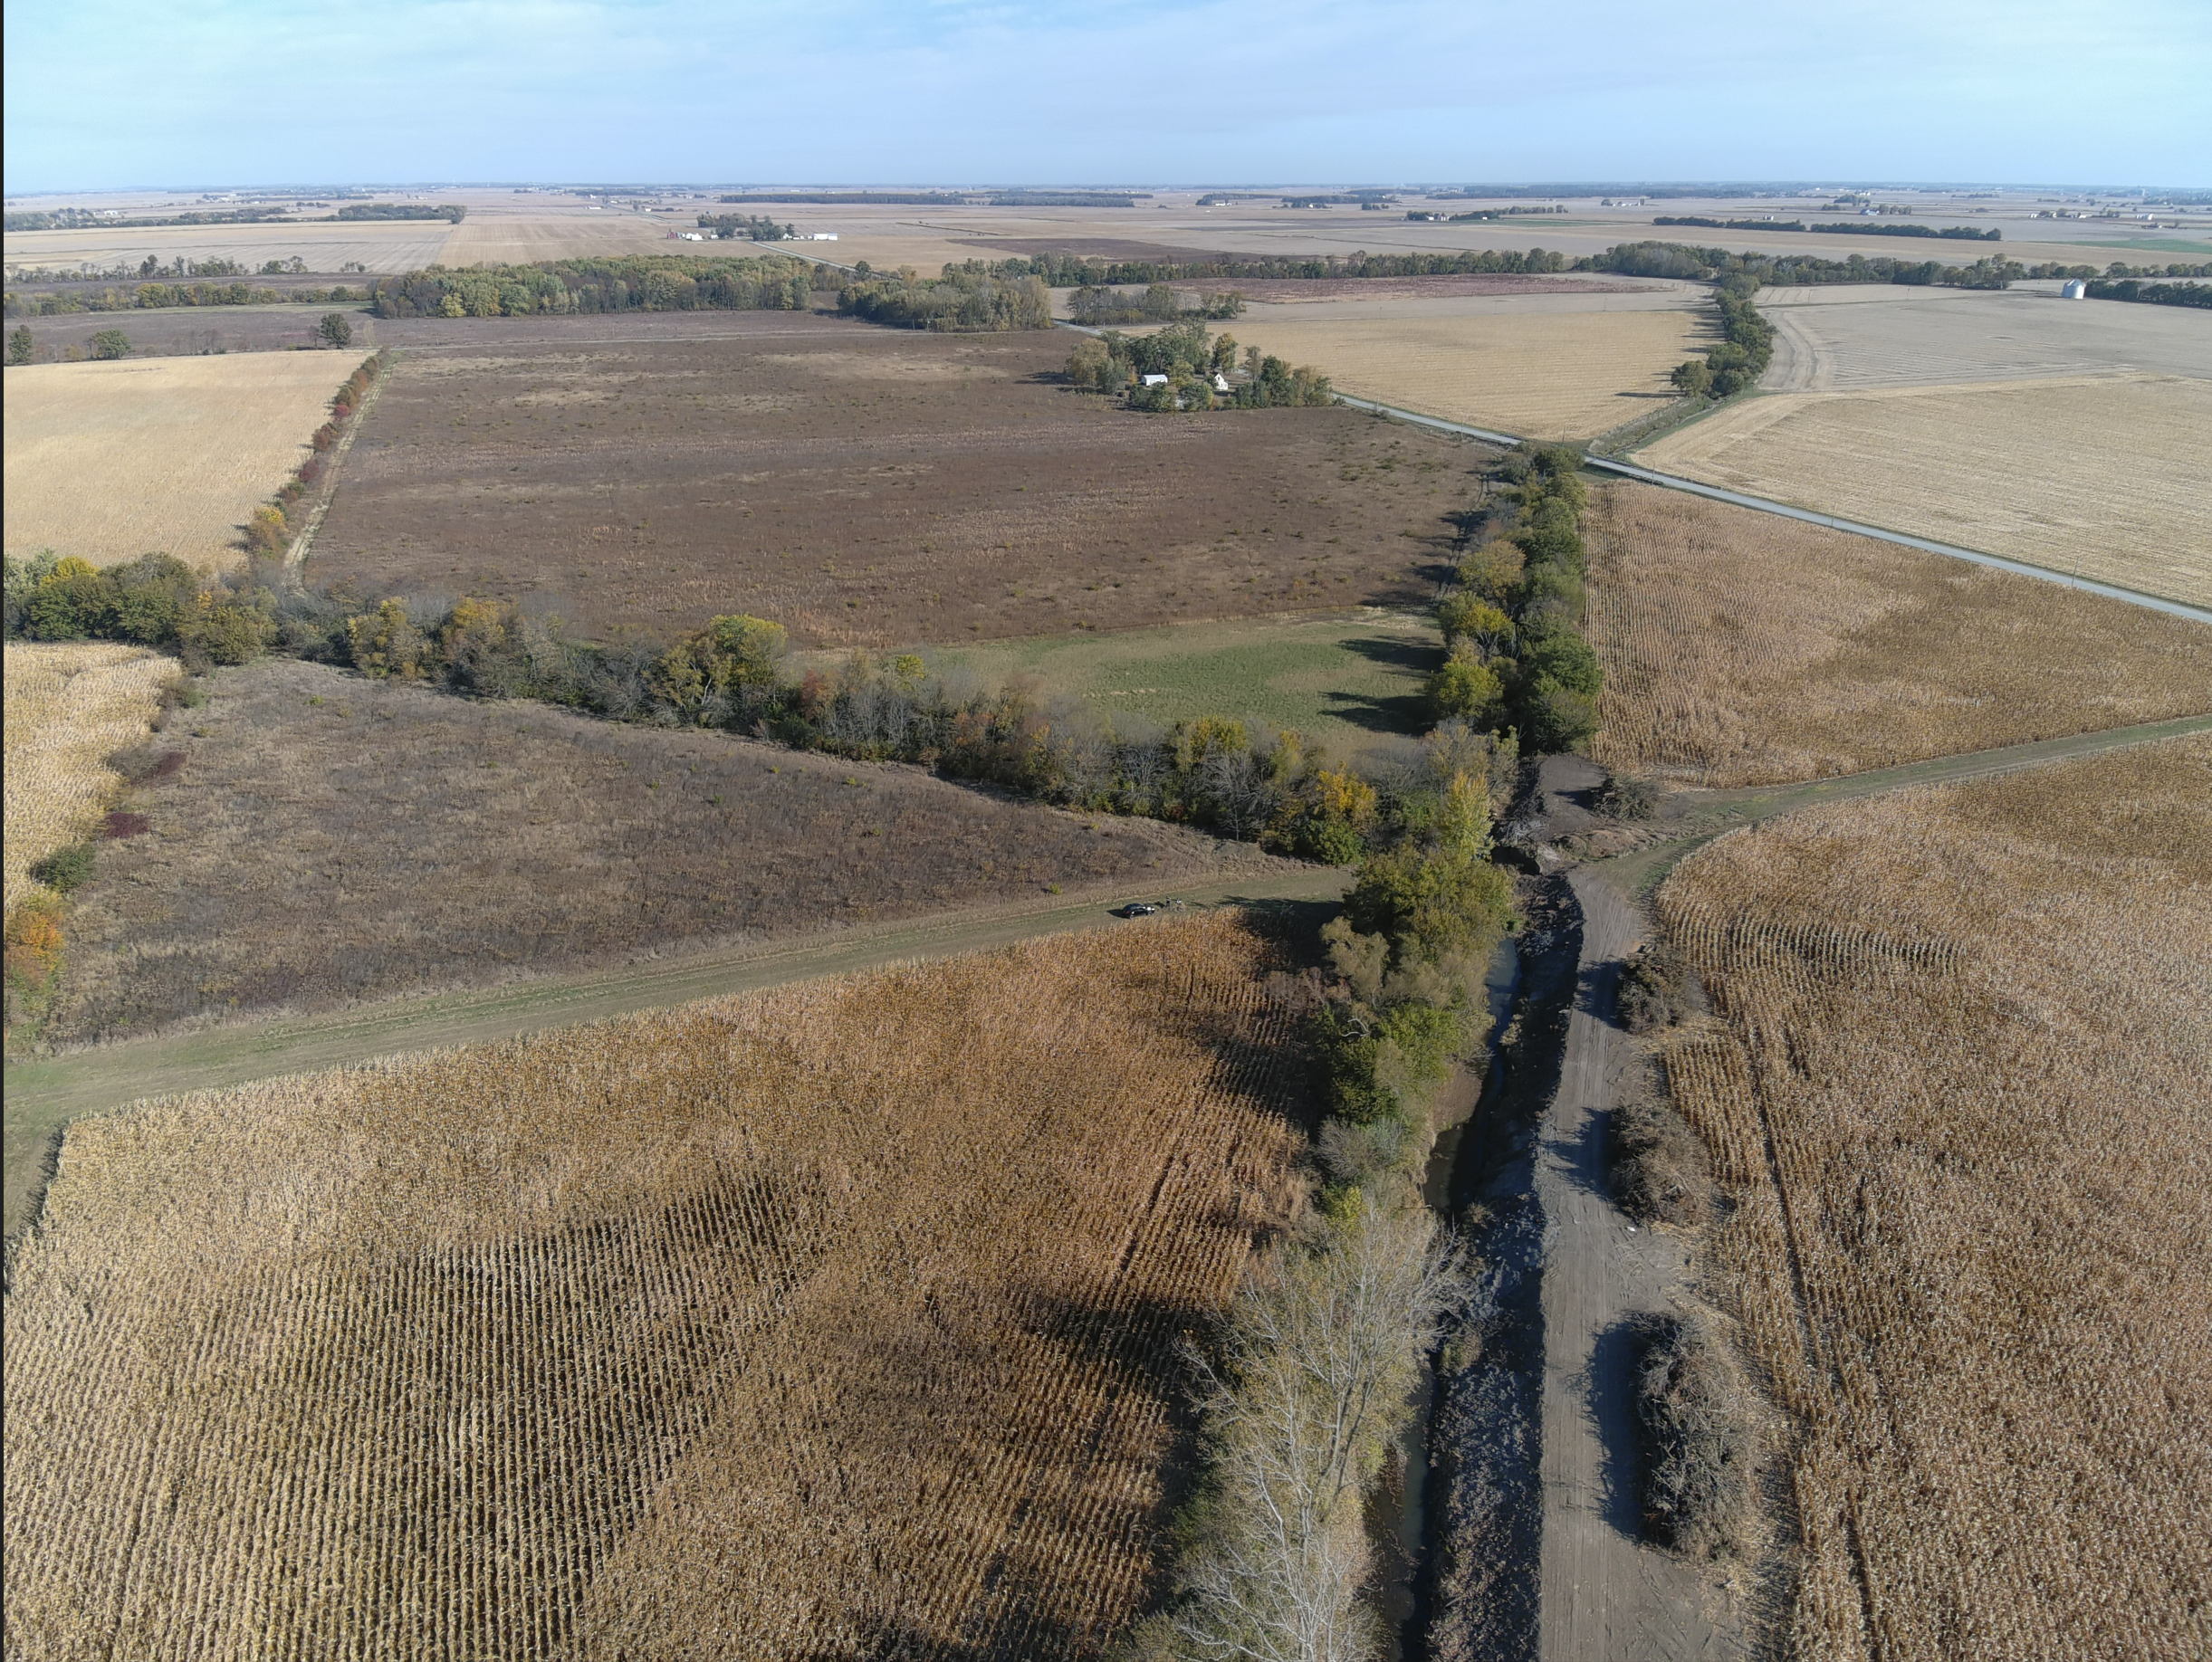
[
  {"x": 1960, "y": 234},
  {"x": 2154, "y": 294},
  {"x": 634, "y": 282},
  {"x": 1067, "y": 270},
  {"x": 149, "y": 296},
  {"x": 403, "y": 210},
  {"x": 886, "y": 198},
  {"x": 745, "y": 227},
  {"x": 966, "y": 299},
  {"x": 78, "y": 219},
  {"x": 1065, "y": 198},
  {"x": 1158, "y": 305},
  {"x": 1710, "y": 264}
]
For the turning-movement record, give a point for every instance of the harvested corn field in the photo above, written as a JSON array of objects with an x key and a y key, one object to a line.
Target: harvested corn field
[
  {"x": 1741, "y": 648},
  {"x": 830, "y": 1323},
  {"x": 108, "y": 461},
  {"x": 1538, "y": 375},
  {"x": 2103, "y": 478},
  {"x": 1957, "y": 1092},
  {"x": 69, "y": 706}
]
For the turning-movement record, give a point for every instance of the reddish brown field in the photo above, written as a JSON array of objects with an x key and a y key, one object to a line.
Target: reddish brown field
[
  {"x": 868, "y": 487},
  {"x": 321, "y": 839}
]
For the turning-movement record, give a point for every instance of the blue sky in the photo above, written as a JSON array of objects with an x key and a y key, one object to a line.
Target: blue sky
[{"x": 108, "y": 93}]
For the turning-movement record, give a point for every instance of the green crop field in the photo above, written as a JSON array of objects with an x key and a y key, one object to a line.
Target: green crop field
[{"x": 1341, "y": 678}]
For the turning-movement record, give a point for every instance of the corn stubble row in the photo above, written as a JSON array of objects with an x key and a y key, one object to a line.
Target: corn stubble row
[
  {"x": 1959, "y": 1094},
  {"x": 829, "y": 1321},
  {"x": 69, "y": 706}
]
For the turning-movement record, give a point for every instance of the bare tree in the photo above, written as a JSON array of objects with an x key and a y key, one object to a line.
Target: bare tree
[{"x": 1317, "y": 1360}]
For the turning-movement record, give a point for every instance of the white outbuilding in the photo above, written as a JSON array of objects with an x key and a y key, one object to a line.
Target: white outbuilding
[
  {"x": 2076, "y": 289},
  {"x": 1155, "y": 380}
]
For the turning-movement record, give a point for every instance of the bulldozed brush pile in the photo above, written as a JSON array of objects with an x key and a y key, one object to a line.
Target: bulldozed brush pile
[
  {"x": 833, "y": 1321},
  {"x": 1958, "y": 1094}
]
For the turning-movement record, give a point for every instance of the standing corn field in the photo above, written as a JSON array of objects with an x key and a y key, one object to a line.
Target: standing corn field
[
  {"x": 831, "y": 1322},
  {"x": 1960, "y": 1093}
]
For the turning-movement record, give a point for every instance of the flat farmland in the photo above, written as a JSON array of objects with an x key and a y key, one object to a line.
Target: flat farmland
[
  {"x": 110, "y": 461},
  {"x": 2102, "y": 477},
  {"x": 321, "y": 839},
  {"x": 872, "y": 488},
  {"x": 1535, "y": 374},
  {"x": 834, "y": 1322},
  {"x": 1336, "y": 678},
  {"x": 326, "y": 245},
  {"x": 500, "y": 236},
  {"x": 70, "y": 705},
  {"x": 1851, "y": 337},
  {"x": 1741, "y": 648},
  {"x": 1957, "y": 1089}
]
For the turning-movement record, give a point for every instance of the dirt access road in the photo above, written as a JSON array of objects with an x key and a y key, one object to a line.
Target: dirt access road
[
  {"x": 1605, "y": 1596},
  {"x": 44, "y": 1094}
]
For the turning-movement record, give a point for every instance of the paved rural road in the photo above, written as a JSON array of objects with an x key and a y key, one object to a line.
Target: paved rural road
[
  {"x": 1605, "y": 1596},
  {"x": 44, "y": 1094},
  {"x": 1671, "y": 482}
]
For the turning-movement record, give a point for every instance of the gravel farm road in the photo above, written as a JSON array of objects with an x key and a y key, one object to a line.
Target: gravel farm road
[{"x": 45, "y": 1093}]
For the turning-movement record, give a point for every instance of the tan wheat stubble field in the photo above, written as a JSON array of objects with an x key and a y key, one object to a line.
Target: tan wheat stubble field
[
  {"x": 69, "y": 706},
  {"x": 1958, "y": 1090},
  {"x": 830, "y": 1321},
  {"x": 1743, "y": 649},
  {"x": 110, "y": 461},
  {"x": 1536, "y": 374},
  {"x": 2102, "y": 477}
]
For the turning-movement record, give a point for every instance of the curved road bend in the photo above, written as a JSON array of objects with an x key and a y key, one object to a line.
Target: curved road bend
[{"x": 1671, "y": 482}]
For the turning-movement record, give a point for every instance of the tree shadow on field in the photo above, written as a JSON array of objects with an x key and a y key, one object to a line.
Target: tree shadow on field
[{"x": 1389, "y": 712}]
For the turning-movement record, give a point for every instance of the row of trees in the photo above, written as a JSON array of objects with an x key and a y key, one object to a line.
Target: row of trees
[
  {"x": 1515, "y": 658},
  {"x": 966, "y": 299},
  {"x": 452, "y": 212},
  {"x": 1745, "y": 347},
  {"x": 1965, "y": 233},
  {"x": 1682, "y": 259},
  {"x": 2154, "y": 294},
  {"x": 1068, "y": 270},
  {"x": 1159, "y": 304},
  {"x": 637, "y": 282},
  {"x": 149, "y": 295}
]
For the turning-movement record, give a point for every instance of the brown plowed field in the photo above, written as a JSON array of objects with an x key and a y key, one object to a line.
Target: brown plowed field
[
  {"x": 1957, "y": 1092},
  {"x": 836, "y": 1321},
  {"x": 869, "y": 487},
  {"x": 1741, "y": 648},
  {"x": 323, "y": 839}
]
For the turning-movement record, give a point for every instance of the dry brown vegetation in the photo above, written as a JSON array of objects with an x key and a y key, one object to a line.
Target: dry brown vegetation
[
  {"x": 108, "y": 461},
  {"x": 1958, "y": 1094},
  {"x": 864, "y": 486},
  {"x": 2105, "y": 477},
  {"x": 70, "y": 705},
  {"x": 1539, "y": 373},
  {"x": 326, "y": 838},
  {"x": 1741, "y": 649},
  {"x": 830, "y": 1323}
]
